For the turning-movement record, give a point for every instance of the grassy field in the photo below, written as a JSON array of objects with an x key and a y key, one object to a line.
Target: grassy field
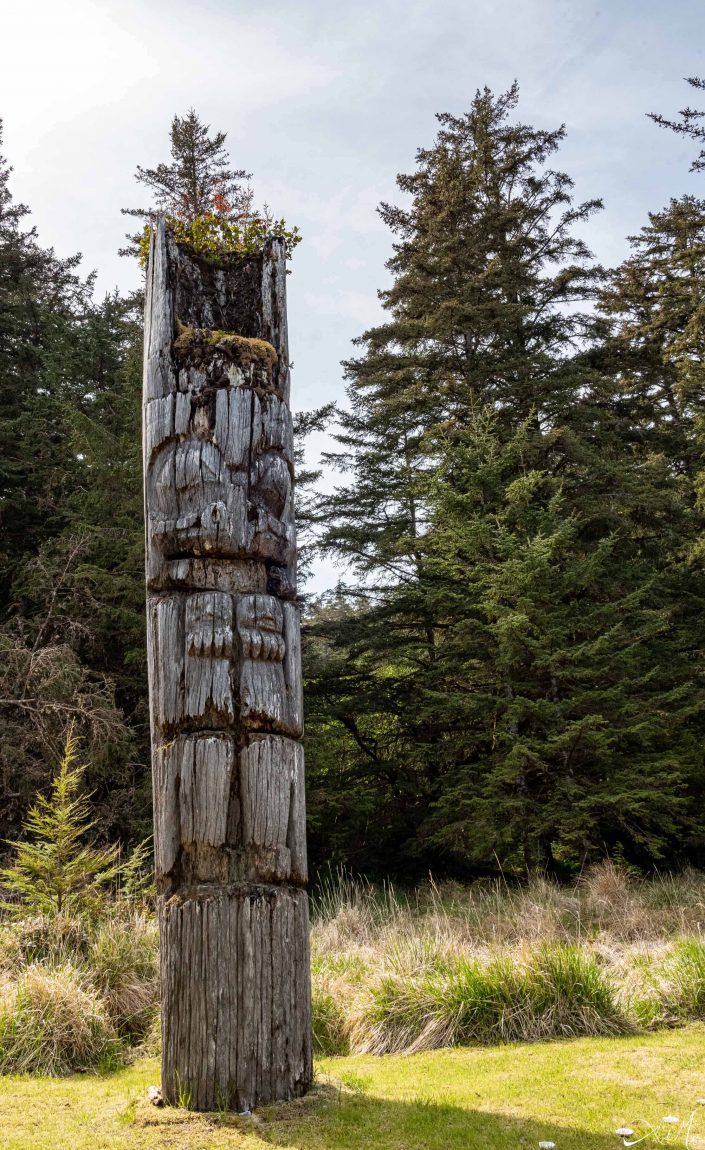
[
  {"x": 393, "y": 972},
  {"x": 574, "y": 1093},
  {"x": 458, "y": 965}
]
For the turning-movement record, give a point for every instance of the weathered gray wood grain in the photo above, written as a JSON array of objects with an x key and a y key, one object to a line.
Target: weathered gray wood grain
[{"x": 225, "y": 679}]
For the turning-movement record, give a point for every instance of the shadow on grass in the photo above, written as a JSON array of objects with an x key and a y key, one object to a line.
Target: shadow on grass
[{"x": 334, "y": 1119}]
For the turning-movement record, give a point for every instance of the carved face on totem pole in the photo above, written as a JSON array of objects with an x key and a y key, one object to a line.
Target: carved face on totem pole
[{"x": 221, "y": 574}]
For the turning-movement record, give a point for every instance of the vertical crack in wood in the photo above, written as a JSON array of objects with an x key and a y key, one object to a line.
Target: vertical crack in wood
[{"x": 225, "y": 679}]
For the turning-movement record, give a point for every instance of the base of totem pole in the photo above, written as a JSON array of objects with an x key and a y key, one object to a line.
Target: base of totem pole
[{"x": 236, "y": 961}]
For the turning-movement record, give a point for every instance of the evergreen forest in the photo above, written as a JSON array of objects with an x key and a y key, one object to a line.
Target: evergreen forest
[{"x": 510, "y": 674}]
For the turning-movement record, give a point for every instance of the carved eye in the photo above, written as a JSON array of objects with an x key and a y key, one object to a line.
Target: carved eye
[
  {"x": 197, "y": 462},
  {"x": 182, "y": 474},
  {"x": 273, "y": 484}
]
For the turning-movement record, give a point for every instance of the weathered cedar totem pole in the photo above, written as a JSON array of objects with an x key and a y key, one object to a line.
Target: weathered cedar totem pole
[{"x": 225, "y": 679}]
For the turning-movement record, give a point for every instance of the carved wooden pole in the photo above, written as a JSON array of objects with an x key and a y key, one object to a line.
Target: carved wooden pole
[{"x": 225, "y": 679}]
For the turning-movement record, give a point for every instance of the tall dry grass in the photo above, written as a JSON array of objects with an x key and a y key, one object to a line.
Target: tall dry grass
[
  {"x": 77, "y": 993},
  {"x": 489, "y": 962},
  {"x": 391, "y": 971}
]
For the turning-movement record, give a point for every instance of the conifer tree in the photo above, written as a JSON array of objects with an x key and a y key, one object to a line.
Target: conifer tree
[
  {"x": 655, "y": 341},
  {"x": 488, "y": 279},
  {"x": 54, "y": 869},
  {"x": 506, "y": 529},
  {"x": 690, "y": 124},
  {"x": 484, "y": 309},
  {"x": 209, "y": 205},
  {"x": 41, "y": 300},
  {"x": 565, "y": 695}
]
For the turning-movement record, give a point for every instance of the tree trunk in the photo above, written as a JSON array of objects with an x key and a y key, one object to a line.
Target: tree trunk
[{"x": 225, "y": 679}]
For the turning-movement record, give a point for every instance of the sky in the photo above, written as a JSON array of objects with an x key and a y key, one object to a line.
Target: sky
[{"x": 325, "y": 103}]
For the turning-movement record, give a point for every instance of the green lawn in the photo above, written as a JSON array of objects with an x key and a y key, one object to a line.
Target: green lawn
[{"x": 574, "y": 1093}]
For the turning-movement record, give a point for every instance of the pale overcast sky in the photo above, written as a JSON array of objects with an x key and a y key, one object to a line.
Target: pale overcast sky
[{"x": 324, "y": 103}]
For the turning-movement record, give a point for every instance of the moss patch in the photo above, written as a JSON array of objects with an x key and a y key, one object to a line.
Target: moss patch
[{"x": 198, "y": 345}]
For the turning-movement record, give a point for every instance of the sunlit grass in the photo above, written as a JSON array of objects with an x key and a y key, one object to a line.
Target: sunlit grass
[{"x": 575, "y": 1093}]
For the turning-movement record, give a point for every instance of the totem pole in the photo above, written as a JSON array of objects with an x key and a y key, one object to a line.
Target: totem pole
[{"x": 225, "y": 678}]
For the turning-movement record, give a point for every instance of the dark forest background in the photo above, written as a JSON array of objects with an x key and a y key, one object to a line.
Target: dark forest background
[{"x": 513, "y": 675}]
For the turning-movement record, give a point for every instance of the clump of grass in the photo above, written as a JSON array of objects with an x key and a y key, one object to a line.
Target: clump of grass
[
  {"x": 330, "y": 1031},
  {"x": 53, "y": 1022},
  {"x": 686, "y": 973},
  {"x": 94, "y": 978},
  {"x": 556, "y": 991},
  {"x": 671, "y": 991},
  {"x": 570, "y": 994},
  {"x": 122, "y": 961},
  {"x": 44, "y": 938}
]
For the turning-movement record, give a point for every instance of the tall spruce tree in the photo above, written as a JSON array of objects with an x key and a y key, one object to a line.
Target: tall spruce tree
[
  {"x": 488, "y": 280},
  {"x": 565, "y": 695},
  {"x": 655, "y": 341},
  {"x": 690, "y": 124},
  {"x": 504, "y": 529},
  {"x": 83, "y": 593},
  {"x": 41, "y": 300},
  {"x": 71, "y": 578}
]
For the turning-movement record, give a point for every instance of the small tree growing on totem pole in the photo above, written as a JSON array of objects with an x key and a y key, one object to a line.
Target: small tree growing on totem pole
[{"x": 208, "y": 204}]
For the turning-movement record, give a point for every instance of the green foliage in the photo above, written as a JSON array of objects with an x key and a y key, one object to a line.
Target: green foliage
[
  {"x": 208, "y": 206},
  {"x": 213, "y": 236},
  {"x": 71, "y": 561},
  {"x": 53, "y": 870},
  {"x": 517, "y": 678},
  {"x": 42, "y": 300},
  {"x": 558, "y": 644}
]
